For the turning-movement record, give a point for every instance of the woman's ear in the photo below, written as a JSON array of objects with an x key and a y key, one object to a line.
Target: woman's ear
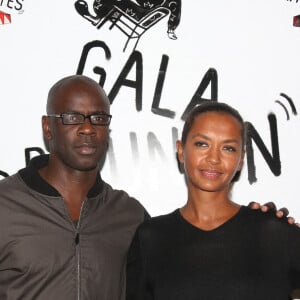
[
  {"x": 237, "y": 174},
  {"x": 179, "y": 151},
  {"x": 241, "y": 163},
  {"x": 179, "y": 156}
]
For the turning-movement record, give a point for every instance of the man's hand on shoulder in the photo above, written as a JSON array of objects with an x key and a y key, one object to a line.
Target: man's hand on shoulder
[{"x": 270, "y": 206}]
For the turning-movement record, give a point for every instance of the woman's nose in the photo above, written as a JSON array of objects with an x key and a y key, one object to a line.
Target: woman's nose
[{"x": 213, "y": 156}]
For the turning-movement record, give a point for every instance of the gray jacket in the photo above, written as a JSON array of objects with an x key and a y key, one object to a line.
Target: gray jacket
[{"x": 44, "y": 255}]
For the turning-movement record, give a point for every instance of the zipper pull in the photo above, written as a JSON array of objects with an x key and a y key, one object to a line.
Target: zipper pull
[{"x": 77, "y": 238}]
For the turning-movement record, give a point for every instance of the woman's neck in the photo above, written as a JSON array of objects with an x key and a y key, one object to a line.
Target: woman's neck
[{"x": 208, "y": 210}]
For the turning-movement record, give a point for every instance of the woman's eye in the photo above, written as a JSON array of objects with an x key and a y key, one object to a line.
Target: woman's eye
[
  {"x": 230, "y": 149},
  {"x": 200, "y": 144}
]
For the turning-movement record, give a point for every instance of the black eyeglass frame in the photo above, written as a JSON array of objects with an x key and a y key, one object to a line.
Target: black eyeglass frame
[{"x": 84, "y": 117}]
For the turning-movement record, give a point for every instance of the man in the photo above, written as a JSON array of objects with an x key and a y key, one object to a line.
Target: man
[{"x": 64, "y": 231}]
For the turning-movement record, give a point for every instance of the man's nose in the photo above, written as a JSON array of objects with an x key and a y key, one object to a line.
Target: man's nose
[{"x": 87, "y": 127}]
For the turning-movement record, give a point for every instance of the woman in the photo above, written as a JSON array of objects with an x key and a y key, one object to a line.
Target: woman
[{"x": 213, "y": 248}]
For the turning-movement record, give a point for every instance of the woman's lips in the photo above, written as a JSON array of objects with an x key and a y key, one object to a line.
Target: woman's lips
[{"x": 211, "y": 174}]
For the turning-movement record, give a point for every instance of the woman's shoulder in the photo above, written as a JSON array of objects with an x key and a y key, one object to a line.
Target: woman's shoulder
[
  {"x": 162, "y": 219},
  {"x": 159, "y": 230},
  {"x": 266, "y": 220},
  {"x": 161, "y": 222}
]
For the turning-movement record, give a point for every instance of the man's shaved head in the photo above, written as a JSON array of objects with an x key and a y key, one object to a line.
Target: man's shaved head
[{"x": 71, "y": 81}]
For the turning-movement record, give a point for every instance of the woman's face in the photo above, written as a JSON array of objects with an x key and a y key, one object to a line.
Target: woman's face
[{"x": 213, "y": 151}]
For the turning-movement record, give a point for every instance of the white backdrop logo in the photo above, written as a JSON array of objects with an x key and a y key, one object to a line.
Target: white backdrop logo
[{"x": 133, "y": 18}]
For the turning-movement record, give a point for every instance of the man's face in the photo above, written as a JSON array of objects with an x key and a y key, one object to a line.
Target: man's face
[{"x": 78, "y": 147}]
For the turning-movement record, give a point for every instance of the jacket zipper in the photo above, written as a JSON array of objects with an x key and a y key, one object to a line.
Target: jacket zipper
[
  {"x": 77, "y": 245},
  {"x": 77, "y": 250},
  {"x": 77, "y": 255}
]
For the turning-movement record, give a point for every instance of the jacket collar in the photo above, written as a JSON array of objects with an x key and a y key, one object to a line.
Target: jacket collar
[{"x": 32, "y": 178}]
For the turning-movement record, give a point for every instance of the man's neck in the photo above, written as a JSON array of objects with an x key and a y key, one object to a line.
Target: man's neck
[
  {"x": 64, "y": 179},
  {"x": 72, "y": 185}
]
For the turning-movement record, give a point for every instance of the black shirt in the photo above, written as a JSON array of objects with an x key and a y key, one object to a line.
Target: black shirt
[{"x": 251, "y": 256}]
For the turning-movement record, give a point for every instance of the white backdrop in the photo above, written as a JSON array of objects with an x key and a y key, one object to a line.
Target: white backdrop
[{"x": 252, "y": 45}]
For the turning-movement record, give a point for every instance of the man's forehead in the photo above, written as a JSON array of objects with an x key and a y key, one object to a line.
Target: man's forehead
[
  {"x": 74, "y": 93},
  {"x": 79, "y": 102},
  {"x": 77, "y": 96}
]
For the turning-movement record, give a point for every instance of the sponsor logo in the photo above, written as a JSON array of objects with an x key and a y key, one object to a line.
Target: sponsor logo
[
  {"x": 296, "y": 21},
  {"x": 4, "y": 18},
  {"x": 8, "y": 9}
]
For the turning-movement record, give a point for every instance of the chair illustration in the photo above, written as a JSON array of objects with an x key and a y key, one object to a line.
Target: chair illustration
[{"x": 133, "y": 21}]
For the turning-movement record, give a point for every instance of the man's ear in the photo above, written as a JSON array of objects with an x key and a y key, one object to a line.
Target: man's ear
[{"x": 46, "y": 128}]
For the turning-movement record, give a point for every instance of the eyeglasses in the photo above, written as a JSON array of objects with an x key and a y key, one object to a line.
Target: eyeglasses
[{"x": 100, "y": 119}]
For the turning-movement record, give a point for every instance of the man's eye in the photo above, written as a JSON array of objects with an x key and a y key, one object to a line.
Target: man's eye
[
  {"x": 98, "y": 118},
  {"x": 74, "y": 118}
]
